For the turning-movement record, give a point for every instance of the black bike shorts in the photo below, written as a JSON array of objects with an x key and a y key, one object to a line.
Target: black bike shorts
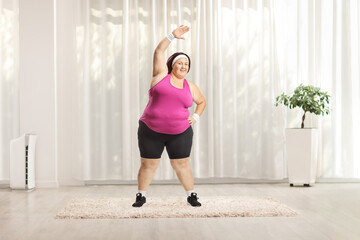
[{"x": 151, "y": 143}]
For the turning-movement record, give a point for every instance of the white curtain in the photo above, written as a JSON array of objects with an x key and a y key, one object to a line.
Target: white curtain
[
  {"x": 318, "y": 43},
  {"x": 244, "y": 54},
  {"x": 9, "y": 77}
]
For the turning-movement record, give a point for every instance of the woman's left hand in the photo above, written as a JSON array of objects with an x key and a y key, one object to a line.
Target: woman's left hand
[
  {"x": 179, "y": 31},
  {"x": 191, "y": 120}
]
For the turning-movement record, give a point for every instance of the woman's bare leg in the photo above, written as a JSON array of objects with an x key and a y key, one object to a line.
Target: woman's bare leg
[
  {"x": 147, "y": 172},
  {"x": 183, "y": 172}
]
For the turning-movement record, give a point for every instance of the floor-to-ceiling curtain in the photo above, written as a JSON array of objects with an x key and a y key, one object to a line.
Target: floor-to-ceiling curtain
[
  {"x": 9, "y": 76},
  {"x": 318, "y": 43},
  {"x": 244, "y": 54}
]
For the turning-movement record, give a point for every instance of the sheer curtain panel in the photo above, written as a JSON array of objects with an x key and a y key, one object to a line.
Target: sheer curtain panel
[
  {"x": 9, "y": 77},
  {"x": 244, "y": 54}
]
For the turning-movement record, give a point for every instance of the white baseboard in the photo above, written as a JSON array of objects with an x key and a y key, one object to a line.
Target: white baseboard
[
  {"x": 196, "y": 181},
  {"x": 5, "y": 183},
  {"x": 219, "y": 181},
  {"x": 38, "y": 184},
  {"x": 76, "y": 182},
  {"x": 338, "y": 180},
  {"x": 46, "y": 184},
  {"x": 71, "y": 182}
]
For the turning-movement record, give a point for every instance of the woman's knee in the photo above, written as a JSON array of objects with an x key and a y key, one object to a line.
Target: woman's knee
[
  {"x": 150, "y": 163},
  {"x": 180, "y": 163}
]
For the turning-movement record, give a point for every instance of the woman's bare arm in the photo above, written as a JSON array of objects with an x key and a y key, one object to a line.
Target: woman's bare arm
[
  {"x": 159, "y": 64},
  {"x": 199, "y": 99}
]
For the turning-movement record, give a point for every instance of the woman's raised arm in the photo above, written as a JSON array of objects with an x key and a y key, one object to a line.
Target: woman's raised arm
[{"x": 159, "y": 65}]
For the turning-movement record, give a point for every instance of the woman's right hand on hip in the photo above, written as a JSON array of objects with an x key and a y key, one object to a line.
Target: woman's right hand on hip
[{"x": 178, "y": 32}]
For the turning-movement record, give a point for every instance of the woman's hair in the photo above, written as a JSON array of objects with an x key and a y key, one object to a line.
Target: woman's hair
[{"x": 171, "y": 58}]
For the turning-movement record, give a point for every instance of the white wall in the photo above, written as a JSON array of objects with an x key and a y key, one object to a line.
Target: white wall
[{"x": 37, "y": 84}]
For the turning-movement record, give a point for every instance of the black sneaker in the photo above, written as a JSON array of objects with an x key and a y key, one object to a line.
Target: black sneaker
[
  {"x": 140, "y": 200},
  {"x": 193, "y": 200}
]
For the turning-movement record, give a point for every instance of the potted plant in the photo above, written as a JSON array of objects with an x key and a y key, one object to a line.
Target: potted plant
[{"x": 301, "y": 143}]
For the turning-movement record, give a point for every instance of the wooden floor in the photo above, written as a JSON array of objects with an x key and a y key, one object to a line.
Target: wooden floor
[{"x": 327, "y": 211}]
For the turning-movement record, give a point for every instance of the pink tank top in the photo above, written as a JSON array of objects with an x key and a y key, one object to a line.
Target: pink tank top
[{"x": 167, "y": 109}]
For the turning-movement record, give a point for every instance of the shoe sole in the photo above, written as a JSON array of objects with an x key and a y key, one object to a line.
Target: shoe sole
[
  {"x": 138, "y": 206},
  {"x": 192, "y": 205}
]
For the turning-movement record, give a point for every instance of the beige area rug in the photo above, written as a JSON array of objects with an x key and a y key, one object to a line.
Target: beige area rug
[{"x": 175, "y": 207}]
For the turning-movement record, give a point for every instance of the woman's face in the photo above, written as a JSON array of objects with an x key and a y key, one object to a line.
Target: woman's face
[{"x": 180, "y": 67}]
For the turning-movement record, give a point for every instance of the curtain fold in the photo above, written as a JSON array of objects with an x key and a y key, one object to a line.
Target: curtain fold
[
  {"x": 244, "y": 54},
  {"x": 9, "y": 81}
]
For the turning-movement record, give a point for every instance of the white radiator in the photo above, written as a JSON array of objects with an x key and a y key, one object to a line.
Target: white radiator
[{"x": 22, "y": 162}]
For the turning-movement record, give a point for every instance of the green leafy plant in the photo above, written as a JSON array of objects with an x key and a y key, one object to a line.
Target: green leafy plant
[{"x": 309, "y": 98}]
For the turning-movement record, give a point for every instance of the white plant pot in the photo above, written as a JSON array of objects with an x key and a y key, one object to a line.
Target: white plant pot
[{"x": 301, "y": 155}]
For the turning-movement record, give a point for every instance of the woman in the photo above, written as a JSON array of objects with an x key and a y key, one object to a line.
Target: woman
[{"x": 166, "y": 121}]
